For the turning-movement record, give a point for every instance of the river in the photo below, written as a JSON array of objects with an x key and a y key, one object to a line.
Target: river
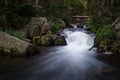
[{"x": 71, "y": 62}]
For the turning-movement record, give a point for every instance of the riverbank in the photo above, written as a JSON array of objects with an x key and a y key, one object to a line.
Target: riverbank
[{"x": 28, "y": 40}]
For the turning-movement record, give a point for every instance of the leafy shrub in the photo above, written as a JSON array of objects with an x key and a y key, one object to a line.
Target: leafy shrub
[
  {"x": 55, "y": 27},
  {"x": 106, "y": 32},
  {"x": 14, "y": 33}
]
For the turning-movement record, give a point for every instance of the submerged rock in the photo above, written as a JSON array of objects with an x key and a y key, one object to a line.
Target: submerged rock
[{"x": 15, "y": 46}]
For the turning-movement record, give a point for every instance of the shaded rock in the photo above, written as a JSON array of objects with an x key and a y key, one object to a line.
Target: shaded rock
[
  {"x": 45, "y": 40},
  {"x": 100, "y": 49},
  {"x": 117, "y": 28},
  {"x": 35, "y": 27},
  {"x": 45, "y": 28},
  {"x": 116, "y": 47},
  {"x": 50, "y": 40},
  {"x": 87, "y": 28},
  {"x": 31, "y": 50},
  {"x": 118, "y": 35},
  {"x": 60, "y": 40},
  {"x": 13, "y": 45},
  {"x": 79, "y": 25}
]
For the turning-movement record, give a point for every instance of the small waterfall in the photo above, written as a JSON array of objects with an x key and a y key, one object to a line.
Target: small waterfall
[{"x": 79, "y": 38}]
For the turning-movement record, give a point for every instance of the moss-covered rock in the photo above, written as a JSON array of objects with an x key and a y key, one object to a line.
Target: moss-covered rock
[
  {"x": 50, "y": 40},
  {"x": 35, "y": 27},
  {"x": 13, "y": 45},
  {"x": 14, "y": 50},
  {"x": 45, "y": 40}
]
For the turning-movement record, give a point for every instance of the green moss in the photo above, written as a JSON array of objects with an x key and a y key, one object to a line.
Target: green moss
[
  {"x": 14, "y": 33},
  {"x": 14, "y": 50}
]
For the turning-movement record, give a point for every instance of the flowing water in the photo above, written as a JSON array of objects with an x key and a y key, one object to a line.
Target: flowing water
[{"x": 71, "y": 62}]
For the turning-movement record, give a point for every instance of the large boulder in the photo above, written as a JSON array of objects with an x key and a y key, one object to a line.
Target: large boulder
[
  {"x": 35, "y": 27},
  {"x": 13, "y": 45}
]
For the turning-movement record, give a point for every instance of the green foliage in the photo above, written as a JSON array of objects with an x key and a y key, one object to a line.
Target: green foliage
[
  {"x": 55, "y": 27},
  {"x": 14, "y": 33},
  {"x": 106, "y": 31},
  {"x": 14, "y": 50},
  {"x": 27, "y": 10}
]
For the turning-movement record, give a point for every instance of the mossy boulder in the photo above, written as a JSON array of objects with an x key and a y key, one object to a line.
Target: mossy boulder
[
  {"x": 50, "y": 40},
  {"x": 13, "y": 45},
  {"x": 35, "y": 27},
  {"x": 53, "y": 40}
]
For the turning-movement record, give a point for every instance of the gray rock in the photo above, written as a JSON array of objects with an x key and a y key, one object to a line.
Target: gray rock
[
  {"x": 35, "y": 27},
  {"x": 14, "y": 45},
  {"x": 60, "y": 40},
  {"x": 117, "y": 28}
]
